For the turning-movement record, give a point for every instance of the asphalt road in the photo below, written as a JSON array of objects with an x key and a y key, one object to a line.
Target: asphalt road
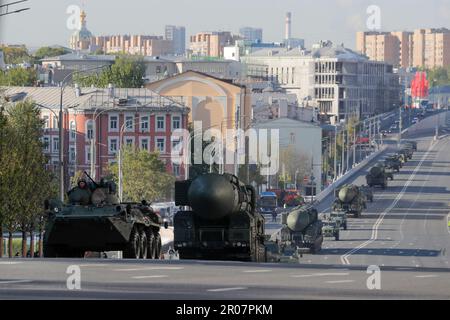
[{"x": 404, "y": 233}]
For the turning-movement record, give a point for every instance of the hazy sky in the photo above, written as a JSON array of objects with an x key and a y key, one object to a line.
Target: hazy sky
[{"x": 313, "y": 20}]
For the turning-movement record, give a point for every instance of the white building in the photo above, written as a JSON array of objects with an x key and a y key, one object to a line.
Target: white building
[
  {"x": 336, "y": 80},
  {"x": 304, "y": 137}
]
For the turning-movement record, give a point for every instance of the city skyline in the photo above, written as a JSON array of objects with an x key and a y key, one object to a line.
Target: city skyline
[{"x": 340, "y": 19}]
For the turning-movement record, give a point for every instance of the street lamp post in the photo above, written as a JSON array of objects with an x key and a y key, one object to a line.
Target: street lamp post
[{"x": 61, "y": 135}]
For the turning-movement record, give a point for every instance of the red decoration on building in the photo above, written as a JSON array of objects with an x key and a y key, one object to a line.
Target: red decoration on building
[{"x": 420, "y": 86}]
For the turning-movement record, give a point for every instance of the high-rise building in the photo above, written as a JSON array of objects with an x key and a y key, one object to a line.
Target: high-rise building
[
  {"x": 133, "y": 44},
  {"x": 254, "y": 35},
  {"x": 178, "y": 36},
  {"x": 211, "y": 44},
  {"x": 429, "y": 48}
]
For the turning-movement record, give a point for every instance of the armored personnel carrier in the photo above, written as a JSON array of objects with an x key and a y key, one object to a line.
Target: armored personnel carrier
[
  {"x": 331, "y": 229},
  {"x": 222, "y": 221},
  {"x": 94, "y": 220},
  {"x": 349, "y": 199},
  {"x": 368, "y": 192},
  {"x": 393, "y": 162},
  {"x": 412, "y": 145},
  {"x": 377, "y": 176}
]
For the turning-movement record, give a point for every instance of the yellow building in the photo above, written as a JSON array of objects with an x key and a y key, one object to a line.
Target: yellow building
[{"x": 213, "y": 101}]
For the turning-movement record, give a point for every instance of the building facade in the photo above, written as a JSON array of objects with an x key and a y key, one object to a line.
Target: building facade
[
  {"x": 133, "y": 44},
  {"x": 97, "y": 122},
  {"x": 423, "y": 48},
  {"x": 336, "y": 80},
  {"x": 253, "y": 35},
  {"x": 178, "y": 37},
  {"x": 210, "y": 44}
]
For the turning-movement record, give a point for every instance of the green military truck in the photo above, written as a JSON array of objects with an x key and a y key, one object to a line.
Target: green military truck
[
  {"x": 349, "y": 199},
  {"x": 377, "y": 176}
]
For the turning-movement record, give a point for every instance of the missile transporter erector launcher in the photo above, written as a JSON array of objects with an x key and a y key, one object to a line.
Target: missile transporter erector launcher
[
  {"x": 378, "y": 176},
  {"x": 350, "y": 199},
  {"x": 222, "y": 222},
  {"x": 94, "y": 220}
]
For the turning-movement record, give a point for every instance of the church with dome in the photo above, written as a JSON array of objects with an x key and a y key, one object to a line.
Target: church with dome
[{"x": 81, "y": 39}]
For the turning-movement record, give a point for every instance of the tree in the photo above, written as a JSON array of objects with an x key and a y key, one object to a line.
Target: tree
[
  {"x": 22, "y": 77},
  {"x": 293, "y": 164},
  {"x": 29, "y": 184},
  {"x": 144, "y": 175},
  {"x": 16, "y": 55},
  {"x": 126, "y": 72},
  {"x": 439, "y": 76},
  {"x": 46, "y": 52}
]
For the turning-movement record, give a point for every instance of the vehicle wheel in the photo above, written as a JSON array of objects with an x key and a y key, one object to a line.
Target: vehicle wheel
[
  {"x": 158, "y": 245},
  {"x": 150, "y": 245},
  {"x": 143, "y": 243},
  {"x": 371, "y": 200},
  {"x": 345, "y": 226},
  {"x": 336, "y": 237},
  {"x": 392, "y": 178},
  {"x": 133, "y": 248}
]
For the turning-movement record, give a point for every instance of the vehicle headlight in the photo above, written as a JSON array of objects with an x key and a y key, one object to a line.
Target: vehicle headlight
[{"x": 56, "y": 210}]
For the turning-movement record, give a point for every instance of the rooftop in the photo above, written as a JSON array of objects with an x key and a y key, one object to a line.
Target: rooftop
[{"x": 93, "y": 98}]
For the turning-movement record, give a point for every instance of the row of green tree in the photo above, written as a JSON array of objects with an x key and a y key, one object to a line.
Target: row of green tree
[
  {"x": 20, "y": 54},
  {"x": 24, "y": 181},
  {"x": 439, "y": 76}
]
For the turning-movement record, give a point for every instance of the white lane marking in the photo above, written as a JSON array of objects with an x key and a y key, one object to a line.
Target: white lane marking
[
  {"x": 15, "y": 281},
  {"x": 427, "y": 276},
  {"x": 149, "y": 277},
  {"x": 10, "y": 262},
  {"x": 374, "y": 236},
  {"x": 319, "y": 275},
  {"x": 93, "y": 265},
  {"x": 340, "y": 281},
  {"x": 226, "y": 289},
  {"x": 256, "y": 271},
  {"x": 150, "y": 268}
]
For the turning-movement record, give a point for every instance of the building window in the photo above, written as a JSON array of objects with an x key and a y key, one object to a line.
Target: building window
[
  {"x": 176, "y": 145},
  {"x": 160, "y": 123},
  {"x": 55, "y": 144},
  {"x": 73, "y": 130},
  {"x": 113, "y": 145},
  {"x": 129, "y": 123},
  {"x": 90, "y": 130},
  {"x": 129, "y": 141},
  {"x": 88, "y": 155},
  {"x": 46, "y": 143},
  {"x": 113, "y": 123},
  {"x": 46, "y": 120},
  {"x": 72, "y": 154},
  {"x": 176, "y": 122},
  {"x": 144, "y": 124},
  {"x": 176, "y": 170},
  {"x": 161, "y": 145},
  {"x": 55, "y": 123},
  {"x": 145, "y": 144}
]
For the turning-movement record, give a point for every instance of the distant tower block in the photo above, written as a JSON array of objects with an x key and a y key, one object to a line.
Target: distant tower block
[{"x": 288, "y": 25}]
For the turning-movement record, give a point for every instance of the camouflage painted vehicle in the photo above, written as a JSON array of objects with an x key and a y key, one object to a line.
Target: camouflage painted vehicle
[
  {"x": 330, "y": 229},
  {"x": 93, "y": 220},
  {"x": 408, "y": 151},
  {"x": 388, "y": 171},
  {"x": 349, "y": 199},
  {"x": 393, "y": 162},
  {"x": 377, "y": 176},
  {"x": 222, "y": 222},
  {"x": 340, "y": 218},
  {"x": 412, "y": 145},
  {"x": 368, "y": 192}
]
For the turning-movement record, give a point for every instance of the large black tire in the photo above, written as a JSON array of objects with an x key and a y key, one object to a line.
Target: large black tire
[
  {"x": 345, "y": 226},
  {"x": 143, "y": 244},
  {"x": 133, "y": 247},
  {"x": 336, "y": 236},
  {"x": 151, "y": 245},
  {"x": 158, "y": 246}
]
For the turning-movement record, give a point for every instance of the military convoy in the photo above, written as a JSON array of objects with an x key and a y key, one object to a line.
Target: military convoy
[
  {"x": 350, "y": 199},
  {"x": 222, "y": 221},
  {"x": 377, "y": 176},
  {"x": 94, "y": 220}
]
